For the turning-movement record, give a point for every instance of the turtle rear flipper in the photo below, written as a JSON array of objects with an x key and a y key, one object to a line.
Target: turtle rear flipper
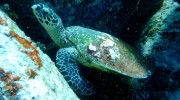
[{"x": 67, "y": 65}]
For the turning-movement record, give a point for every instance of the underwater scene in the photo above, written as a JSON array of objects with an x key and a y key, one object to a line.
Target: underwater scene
[{"x": 89, "y": 49}]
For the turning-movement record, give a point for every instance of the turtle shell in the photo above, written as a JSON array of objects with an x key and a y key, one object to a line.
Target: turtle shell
[{"x": 104, "y": 52}]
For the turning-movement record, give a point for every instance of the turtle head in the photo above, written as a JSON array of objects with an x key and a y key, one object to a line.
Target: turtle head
[
  {"x": 51, "y": 22},
  {"x": 46, "y": 16}
]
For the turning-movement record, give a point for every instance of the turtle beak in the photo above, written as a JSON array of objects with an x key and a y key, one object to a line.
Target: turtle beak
[{"x": 33, "y": 7}]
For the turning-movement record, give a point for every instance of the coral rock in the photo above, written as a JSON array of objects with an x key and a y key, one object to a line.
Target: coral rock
[{"x": 20, "y": 75}]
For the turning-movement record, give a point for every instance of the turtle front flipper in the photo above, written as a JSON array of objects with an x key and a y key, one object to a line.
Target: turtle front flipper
[{"x": 67, "y": 65}]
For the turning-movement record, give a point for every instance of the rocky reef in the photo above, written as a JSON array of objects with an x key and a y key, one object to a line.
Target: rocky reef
[
  {"x": 160, "y": 42},
  {"x": 160, "y": 38},
  {"x": 25, "y": 71}
]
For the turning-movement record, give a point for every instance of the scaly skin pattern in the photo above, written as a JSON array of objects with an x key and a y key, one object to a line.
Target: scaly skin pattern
[
  {"x": 68, "y": 66},
  {"x": 92, "y": 48}
]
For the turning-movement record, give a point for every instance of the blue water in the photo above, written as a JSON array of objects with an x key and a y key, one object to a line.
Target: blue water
[{"x": 124, "y": 19}]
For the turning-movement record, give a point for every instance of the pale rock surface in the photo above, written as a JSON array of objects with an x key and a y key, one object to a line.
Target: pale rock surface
[{"x": 47, "y": 84}]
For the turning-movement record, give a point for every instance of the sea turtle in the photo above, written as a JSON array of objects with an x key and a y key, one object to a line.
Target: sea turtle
[{"x": 91, "y": 48}]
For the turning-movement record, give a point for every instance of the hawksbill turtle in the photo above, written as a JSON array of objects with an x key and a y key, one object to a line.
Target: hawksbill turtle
[{"x": 91, "y": 48}]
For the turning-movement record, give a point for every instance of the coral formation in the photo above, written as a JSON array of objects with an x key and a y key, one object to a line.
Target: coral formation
[
  {"x": 32, "y": 54},
  {"x": 9, "y": 81},
  {"x": 32, "y": 73},
  {"x": 160, "y": 37},
  {"x": 18, "y": 70},
  {"x": 3, "y": 22}
]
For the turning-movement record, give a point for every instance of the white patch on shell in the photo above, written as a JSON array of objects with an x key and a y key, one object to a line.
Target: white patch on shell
[
  {"x": 100, "y": 37},
  {"x": 107, "y": 43},
  {"x": 110, "y": 45},
  {"x": 92, "y": 47},
  {"x": 114, "y": 52},
  {"x": 97, "y": 54},
  {"x": 105, "y": 50}
]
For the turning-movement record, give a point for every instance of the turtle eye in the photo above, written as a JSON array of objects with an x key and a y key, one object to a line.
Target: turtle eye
[
  {"x": 38, "y": 8},
  {"x": 44, "y": 12}
]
